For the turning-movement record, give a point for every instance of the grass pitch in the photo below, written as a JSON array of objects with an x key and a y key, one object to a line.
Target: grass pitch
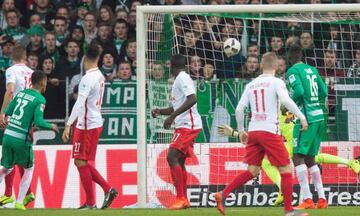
[{"x": 248, "y": 211}]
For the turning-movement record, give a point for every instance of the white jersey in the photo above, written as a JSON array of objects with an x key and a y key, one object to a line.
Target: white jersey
[
  {"x": 20, "y": 75},
  {"x": 264, "y": 95},
  {"x": 91, "y": 87},
  {"x": 184, "y": 86}
]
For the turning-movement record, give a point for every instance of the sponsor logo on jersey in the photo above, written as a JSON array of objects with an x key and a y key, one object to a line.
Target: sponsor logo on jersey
[{"x": 292, "y": 78}]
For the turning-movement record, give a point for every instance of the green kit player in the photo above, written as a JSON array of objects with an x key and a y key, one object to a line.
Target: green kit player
[
  {"x": 307, "y": 90},
  {"x": 25, "y": 111}
]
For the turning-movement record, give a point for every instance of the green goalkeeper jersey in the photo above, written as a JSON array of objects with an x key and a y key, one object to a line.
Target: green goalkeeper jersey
[
  {"x": 307, "y": 89},
  {"x": 25, "y": 110}
]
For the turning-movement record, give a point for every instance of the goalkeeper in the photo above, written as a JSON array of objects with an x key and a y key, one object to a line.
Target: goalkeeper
[{"x": 286, "y": 129}]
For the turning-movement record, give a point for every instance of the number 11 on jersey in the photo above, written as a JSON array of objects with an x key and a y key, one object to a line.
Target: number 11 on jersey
[{"x": 262, "y": 95}]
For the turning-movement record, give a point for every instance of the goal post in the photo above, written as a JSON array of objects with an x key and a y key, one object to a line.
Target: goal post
[{"x": 157, "y": 36}]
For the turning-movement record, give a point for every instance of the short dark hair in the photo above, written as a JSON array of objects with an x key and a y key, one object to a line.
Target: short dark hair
[
  {"x": 178, "y": 62},
  {"x": 92, "y": 52},
  {"x": 60, "y": 18},
  {"x": 37, "y": 76},
  {"x": 294, "y": 54}
]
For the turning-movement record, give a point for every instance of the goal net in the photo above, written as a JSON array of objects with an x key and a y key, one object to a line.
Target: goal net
[{"x": 331, "y": 42}]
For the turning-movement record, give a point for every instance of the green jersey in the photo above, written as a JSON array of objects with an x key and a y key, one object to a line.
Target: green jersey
[
  {"x": 307, "y": 89},
  {"x": 25, "y": 110}
]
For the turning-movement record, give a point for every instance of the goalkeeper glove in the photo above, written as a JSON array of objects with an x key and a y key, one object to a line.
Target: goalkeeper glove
[{"x": 226, "y": 130}]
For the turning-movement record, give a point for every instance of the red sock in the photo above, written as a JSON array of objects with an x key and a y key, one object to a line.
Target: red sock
[
  {"x": 86, "y": 180},
  {"x": 96, "y": 177},
  {"x": 21, "y": 171},
  {"x": 287, "y": 190},
  {"x": 177, "y": 176},
  {"x": 185, "y": 183},
  {"x": 9, "y": 182},
  {"x": 237, "y": 182}
]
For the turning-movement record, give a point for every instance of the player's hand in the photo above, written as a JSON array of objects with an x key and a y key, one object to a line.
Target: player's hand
[
  {"x": 243, "y": 137},
  {"x": 304, "y": 125},
  {"x": 155, "y": 112},
  {"x": 226, "y": 130},
  {"x": 2, "y": 121},
  {"x": 66, "y": 134},
  {"x": 168, "y": 121},
  {"x": 55, "y": 128}
]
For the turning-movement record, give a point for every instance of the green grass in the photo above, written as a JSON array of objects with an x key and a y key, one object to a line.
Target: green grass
[{"x": 271, "y": 211}]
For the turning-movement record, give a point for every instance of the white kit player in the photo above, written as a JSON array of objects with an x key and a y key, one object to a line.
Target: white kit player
[
  {"x": 263, "y": 96},
  {"x": 87, "y": 112},
  {"x": 187, "y": 126},
  {"x": 18, "y": 78}
]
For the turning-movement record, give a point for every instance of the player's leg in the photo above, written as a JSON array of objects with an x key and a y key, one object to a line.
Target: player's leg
[
  {"x": 30, "y": 196},
  {"x": 254, "y": 155},
  {"x": 273, "y": 173},
  {"x": 173, "y": 157},
  {"x": 80, "y": 152},
  {"x": 324, "y": 158},
  {"x": 182, "y": 164},
  {"x": 24, "y": 187},
  {"x": 313, "y": 167},
  {"x": 302, "y": 143},
  {"x": 7, "y": 161}
]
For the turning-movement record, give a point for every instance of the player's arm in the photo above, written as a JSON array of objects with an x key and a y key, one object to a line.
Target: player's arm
[
  {"x": 8, "y": 96},
  {"x": 10, "y": 108},
  {"x": 226, "y": 130},
  {"x": 189, "y": 102},
  {"x": 166, "y": 111},
  {"x": 296, "y": 85},
  {"x": 39, "y": 119},
  {"x": 239, "y": 113},
  {"x": 323, "y": 91},
  {"x": 285, "y": 99}
]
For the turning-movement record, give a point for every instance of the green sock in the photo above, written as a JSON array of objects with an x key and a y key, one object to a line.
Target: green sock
[
  {"x": 324, "y": 158},
  {"x": 272, "y": 172}
]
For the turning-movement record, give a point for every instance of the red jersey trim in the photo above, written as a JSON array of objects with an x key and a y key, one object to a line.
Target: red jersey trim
[
  {"x": 86, "y": 112},
  {"x": 191, "y": 119}
]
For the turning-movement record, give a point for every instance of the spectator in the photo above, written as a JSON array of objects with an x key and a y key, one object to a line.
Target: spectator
[
  {"x": 63, "y": 11},
  {"x": 292, "y": 40},
  {"x": 50, "y": 47},
  {"x": 354, "y": 70},
  {"x": 32, "y": 60},
  {"x": 77, "y": 34},
  {"x": 35, "y": 33},
  {"x": 82, "y": 10},
  {"x": 124, "y": 5},
  {"x": 14, "y": 29},
  {"x": 281, "y": 71},
  {"x": 121, "y": 33},
  {"x": 195, "y": 67},
  {"x": 124, "y": 71},
  {"x": 5, "y": 7},
  {"x": 60, "y": 29},
  {"x": 104, "y": 37},
  {"x": 122, "y": 14},
  {"x": 52, "y": 95},
  {"x": 106, "y": 15},
  {"x": 157, "y": 72},
  {"x": 69, "y": 65},
  {"x": 90, "y": 29},
  {"x": 312, "y": 55},
  {"x": 277, "y": 45},
  {"x": 35, "y": 19},
  {"x": 253, "y": 50},
  {"x": 7, "y": 44},
  {"x": 208, "y": 71},
  {"x": 108, "y": 66},
  {"x": 43, "y": 8},
  {"x": 132, "y": 22},
  {"x": 336, "y": 42},
  {"x": 129, "y": 54},
  {"x": 251, "y": 68}
]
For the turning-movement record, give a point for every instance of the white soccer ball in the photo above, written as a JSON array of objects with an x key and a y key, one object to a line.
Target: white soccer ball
[{"x": 231, "y": 47}]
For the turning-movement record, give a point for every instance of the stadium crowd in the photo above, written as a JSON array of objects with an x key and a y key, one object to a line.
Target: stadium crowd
[{"x": 57, "y": 32}]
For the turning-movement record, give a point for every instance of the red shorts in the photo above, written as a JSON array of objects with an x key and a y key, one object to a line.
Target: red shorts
[
  {"x": 184, "y": 139},
  {"x": 85, "y": 143},
  {"x": 261, "y": 143}
]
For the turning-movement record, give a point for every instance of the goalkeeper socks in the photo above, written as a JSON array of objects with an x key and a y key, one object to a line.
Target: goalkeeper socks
[
  {"x": 177, "y": 176},
  {"x": 330, "y": 159},
  {"x": 21, "y": 171},
  {"x": 9, "y": 182},
  {"x": 271, "y": 172},
  {"x": 237, "y": 182},
  {"x": 96, "y": 177},
  {"x": 316, "y": 179},
  {"x": 302, "y": 175},
  {"x": 86, "y": 180},
  {"x": 25, "y": 184},
  {"x": 185, "y": 183},
  {"x": 287, "y": 190}
]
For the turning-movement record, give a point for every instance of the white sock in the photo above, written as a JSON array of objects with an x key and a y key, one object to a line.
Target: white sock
[
  {"x": 302, "y": 176},
  {"x": 4, "y": 172},
  {"x": 316, "y": 179},
  {"x": 25, "y": 184}
]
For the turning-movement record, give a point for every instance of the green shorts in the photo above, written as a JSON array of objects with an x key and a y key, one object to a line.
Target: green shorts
[
  {"x": 16, "y": 151},
  {"x": 307, "y": 142}
]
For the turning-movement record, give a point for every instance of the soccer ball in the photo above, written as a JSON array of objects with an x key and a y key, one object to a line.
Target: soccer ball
[{"x": 231, "y": 47}]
